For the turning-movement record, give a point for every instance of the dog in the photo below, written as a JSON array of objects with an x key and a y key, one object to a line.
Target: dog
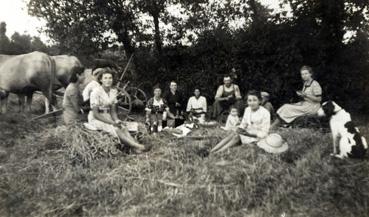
[{"x": 345, "y": 134}]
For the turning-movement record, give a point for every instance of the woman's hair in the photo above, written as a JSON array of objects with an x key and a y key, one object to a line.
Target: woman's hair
[
  {"x": 254, "y": 93},
  {"x": 77, "y": 71},
  {"x": 308, "y": 68},
  {"x": 106, "y": 71}
]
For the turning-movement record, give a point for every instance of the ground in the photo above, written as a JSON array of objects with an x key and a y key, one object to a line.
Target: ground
[{"x": 50, "y": 170}]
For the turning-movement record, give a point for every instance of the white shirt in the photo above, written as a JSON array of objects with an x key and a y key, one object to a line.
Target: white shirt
[
  {"x": 88, "y": 89},
  {"x": 199, "y": 104},
  {"x": 232, "y": 122},
  {"x": 256, "y": 122}
]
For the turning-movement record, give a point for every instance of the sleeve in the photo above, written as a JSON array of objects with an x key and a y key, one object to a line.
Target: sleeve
[
  {"x": 86, "y": 92},
  {"x": 265, "y": 125},
  {"x": 244, "y": 121},
  {"x": 317, "y": 89},
  {"x": 189, "y": 105},
  {"x": 205, "y": 105},
  {"x": 149, "y": 103},
  {"x": 237, "y": 92},
  {"x": 75, "y": 100},
  {"x": 165, "y": 103},
  {"x": 114, "y": 96},
  {"x": 94, "y": 98},
  {"x": 219, "y": 92}
]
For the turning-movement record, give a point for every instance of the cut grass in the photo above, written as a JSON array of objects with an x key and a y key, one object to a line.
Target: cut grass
[{"x": 49, "y": 171}]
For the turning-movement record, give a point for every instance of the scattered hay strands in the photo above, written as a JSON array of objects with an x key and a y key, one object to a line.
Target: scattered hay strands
[{"x": 68, "y": 172}]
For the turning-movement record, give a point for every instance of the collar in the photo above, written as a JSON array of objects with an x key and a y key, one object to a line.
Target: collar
[{"x": 308, "y": 85}]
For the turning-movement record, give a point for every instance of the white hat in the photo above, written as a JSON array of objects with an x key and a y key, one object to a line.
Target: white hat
[{"x": 273, "y": 143}]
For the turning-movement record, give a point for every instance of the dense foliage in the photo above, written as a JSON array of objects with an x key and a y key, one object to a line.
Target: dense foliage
[{"x": 197, "y": 42}]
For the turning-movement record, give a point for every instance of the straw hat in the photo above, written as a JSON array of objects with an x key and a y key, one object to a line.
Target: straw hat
[{"x": 273, "y": 143}]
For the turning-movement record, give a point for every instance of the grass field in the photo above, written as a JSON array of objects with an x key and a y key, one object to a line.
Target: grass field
[{"x": 55, "y": 171}]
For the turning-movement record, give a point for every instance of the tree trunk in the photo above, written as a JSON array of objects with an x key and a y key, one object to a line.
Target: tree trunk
[{"x": 157, "y": 37}]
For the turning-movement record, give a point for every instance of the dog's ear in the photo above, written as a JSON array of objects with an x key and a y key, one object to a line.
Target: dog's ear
[
  {"x": 328, "y": 108},
  {"x": 350, "y": 127}
]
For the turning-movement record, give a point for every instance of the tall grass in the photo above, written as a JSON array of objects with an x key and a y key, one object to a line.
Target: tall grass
[{"x": 73, "y": 172}]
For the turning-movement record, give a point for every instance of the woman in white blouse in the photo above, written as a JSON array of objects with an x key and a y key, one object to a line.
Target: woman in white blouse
[
  {"x": 254, "y": 126},
  {"x": 197, "y": 106},
  {"x": 103, "y": 115}
]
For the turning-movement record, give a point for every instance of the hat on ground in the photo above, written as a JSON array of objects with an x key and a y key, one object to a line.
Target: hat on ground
[{"x": 273, "y": 143}]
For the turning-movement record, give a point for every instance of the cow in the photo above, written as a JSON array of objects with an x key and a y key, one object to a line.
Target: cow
[
  {"x": 65, "y": 66},
  {"x": 25, "y": 74}
]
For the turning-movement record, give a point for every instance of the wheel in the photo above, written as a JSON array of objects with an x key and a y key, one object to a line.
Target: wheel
[
  {"x": 124, "y": 101},
  {"x": 138, "y": 97}
]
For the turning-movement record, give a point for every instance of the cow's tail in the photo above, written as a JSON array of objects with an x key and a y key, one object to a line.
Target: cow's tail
[{"x": 52, "y": 81}]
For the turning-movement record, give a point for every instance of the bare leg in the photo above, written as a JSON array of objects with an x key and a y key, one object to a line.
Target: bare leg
[
  {"x": 127, "y": 139},
  {"x": 235, "y": 140},
  {"x": 223, "y": 142}
]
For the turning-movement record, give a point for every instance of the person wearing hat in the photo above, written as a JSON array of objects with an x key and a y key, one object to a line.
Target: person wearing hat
[{"x": 254, "y": 126}]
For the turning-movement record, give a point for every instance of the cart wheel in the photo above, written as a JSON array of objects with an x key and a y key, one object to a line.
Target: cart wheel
[
  {"x": 124, "y": 101},
  {"x": 138, "y": 97}
]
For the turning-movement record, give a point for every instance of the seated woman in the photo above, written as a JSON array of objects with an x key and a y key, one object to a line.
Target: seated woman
[
  {"x": 311, "y": 95},
  {"x": 157, "y": 111},
  {"x": 72, "y": 100},
  {"x": 254, "y": 126},
  {"x": 197, "y": 107},
  {"x": 103, "y": 115}
]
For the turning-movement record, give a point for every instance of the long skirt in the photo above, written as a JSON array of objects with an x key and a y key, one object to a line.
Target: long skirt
[{"x": 289, "y": 112}]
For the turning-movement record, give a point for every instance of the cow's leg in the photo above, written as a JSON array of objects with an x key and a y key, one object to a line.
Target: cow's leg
[
  {"x": 21, "y": 102},
  {"x": 47, "y": 105},
  {"x": 3, "y": 101},
  {"x": 29, "y": 102}
]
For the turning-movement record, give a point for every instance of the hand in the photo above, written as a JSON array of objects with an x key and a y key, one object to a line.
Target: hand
[
  {"x": 299, "y": 93},
  {"x": 240, "y": 130},
  {"x": 178, "y": 104}
]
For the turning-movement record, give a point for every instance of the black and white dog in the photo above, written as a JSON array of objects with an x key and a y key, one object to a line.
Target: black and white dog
[{"x": 345, "y": 134}]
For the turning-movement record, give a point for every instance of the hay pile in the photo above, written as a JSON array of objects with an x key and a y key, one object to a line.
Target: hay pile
[
  {"x": 43, "y": 178},
  {"x": 84, "y": 145}
]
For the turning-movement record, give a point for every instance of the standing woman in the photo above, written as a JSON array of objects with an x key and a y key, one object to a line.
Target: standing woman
[
  {"x": 72, "y": 100},
  {"x": 254, "y": 126},
  {"x": 103, "y": 115},
  {"x": 311, "y": 95}
]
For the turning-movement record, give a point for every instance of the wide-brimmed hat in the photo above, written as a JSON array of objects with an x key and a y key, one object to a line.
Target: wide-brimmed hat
[{"x": 273, "y": 143}]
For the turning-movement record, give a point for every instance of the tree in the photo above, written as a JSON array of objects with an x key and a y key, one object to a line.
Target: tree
[
  {"x": 38, "y": 45},
  {"x": 20, "y": 44},
  {"x": 4, "y": 40}
]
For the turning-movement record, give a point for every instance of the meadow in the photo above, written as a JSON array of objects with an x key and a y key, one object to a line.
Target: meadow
[{"x": 47, "y": 169}]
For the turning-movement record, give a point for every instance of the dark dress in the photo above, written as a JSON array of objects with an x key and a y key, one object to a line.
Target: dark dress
[{"x": 177, "y": 111}]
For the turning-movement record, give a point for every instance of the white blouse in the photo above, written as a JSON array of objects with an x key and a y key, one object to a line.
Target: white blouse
[
  {"x": 88, "y": 89},
  {"x": 100, "y": 98},
  {"x": 256, "y": 122},
  {"x": 199, "y": 103}
]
